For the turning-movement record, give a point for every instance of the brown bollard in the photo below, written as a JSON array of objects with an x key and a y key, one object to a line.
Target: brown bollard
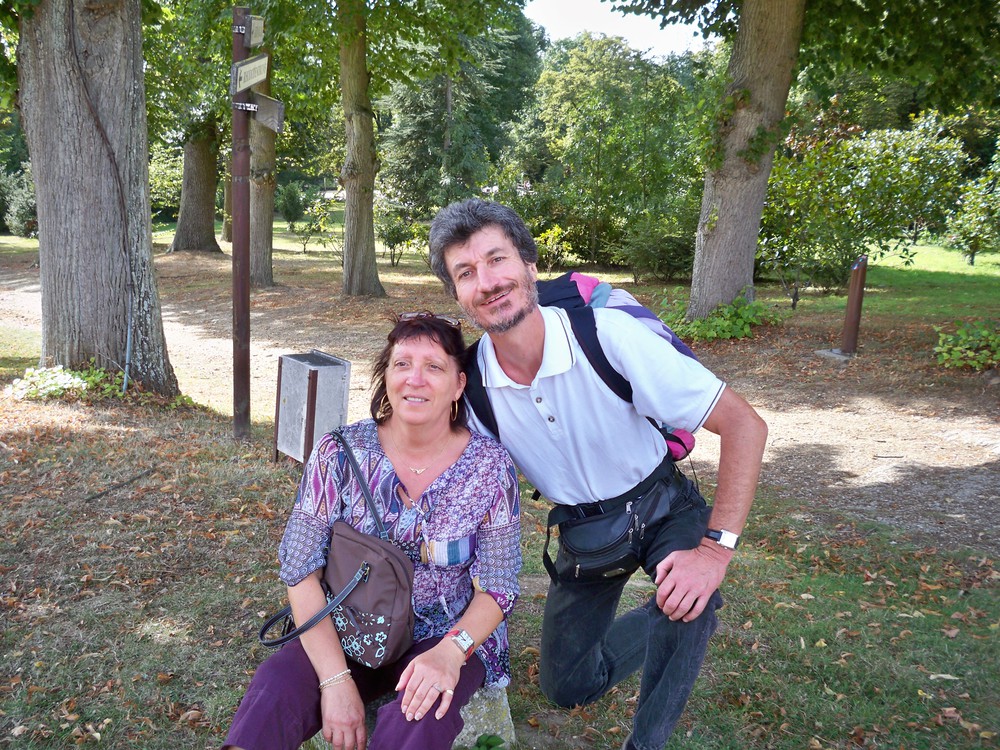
[{"x": 855, "y": 296}]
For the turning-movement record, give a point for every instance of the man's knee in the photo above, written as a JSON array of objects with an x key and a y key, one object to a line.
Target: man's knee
[{"x": 566, "y": 690}]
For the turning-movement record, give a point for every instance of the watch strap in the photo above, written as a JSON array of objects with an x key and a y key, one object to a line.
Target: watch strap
[{"x": 724, "y": 538}]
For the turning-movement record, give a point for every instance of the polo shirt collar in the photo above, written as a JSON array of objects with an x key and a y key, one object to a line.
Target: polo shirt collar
[{"x": 557, "y": 354}]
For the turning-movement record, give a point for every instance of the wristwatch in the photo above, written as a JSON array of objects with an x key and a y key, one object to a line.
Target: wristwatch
[
  {"x": 463, "y": 640},
  {"x": 724, "y": 538}
]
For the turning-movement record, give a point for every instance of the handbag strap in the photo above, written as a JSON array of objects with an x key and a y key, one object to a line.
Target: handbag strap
[
  {"x": 362, "y": 483},
  {"x": 360, "y": 576},
  {"x": 294, "y": 633}
]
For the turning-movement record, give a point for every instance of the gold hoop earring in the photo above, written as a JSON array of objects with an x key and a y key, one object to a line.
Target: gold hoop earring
[
  {"x": 454, "y": 410},
  {"x": 384, "y": 407}
]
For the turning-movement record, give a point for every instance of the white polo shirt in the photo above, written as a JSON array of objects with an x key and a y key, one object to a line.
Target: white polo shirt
[{"x": 569, "y": 434}]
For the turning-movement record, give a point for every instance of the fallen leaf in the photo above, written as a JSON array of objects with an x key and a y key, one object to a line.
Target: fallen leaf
[{"x": 944, "y": 677}]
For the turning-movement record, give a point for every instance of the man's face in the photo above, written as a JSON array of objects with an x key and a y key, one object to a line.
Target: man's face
[{"x": 494, "y": 287}]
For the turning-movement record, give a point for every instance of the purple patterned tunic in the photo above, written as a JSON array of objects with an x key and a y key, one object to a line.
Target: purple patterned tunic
[{"x": 462, "y": 532}]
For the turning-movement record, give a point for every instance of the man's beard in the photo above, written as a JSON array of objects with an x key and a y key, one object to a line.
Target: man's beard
[{"x": 505, "y": 324}]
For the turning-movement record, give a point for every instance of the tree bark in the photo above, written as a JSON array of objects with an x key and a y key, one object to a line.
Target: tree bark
[
  {"x": 196, "y": 219},
  {"x": 227, "y": 203},
  {"x": 83, "y": 105},
  {"x": 760, "y": 73},
  {"x": 360, "y": 163},
  {"x": 262, "y": 184}
]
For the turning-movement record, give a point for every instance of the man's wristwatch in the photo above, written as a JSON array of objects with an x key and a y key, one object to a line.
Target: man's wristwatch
[
  {"x": 724, "y": 538},
  {"x": 463, "y": 640}
]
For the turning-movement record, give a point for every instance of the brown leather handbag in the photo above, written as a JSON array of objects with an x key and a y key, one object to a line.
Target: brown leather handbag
[{"x": 369, "y": 589}]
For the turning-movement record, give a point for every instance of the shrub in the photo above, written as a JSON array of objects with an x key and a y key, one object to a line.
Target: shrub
[
  {"x": 975, "y": 227},
  {"x": 166, "y": 174},
  {"x": 290, "y": 203},
  {"x": 90, "y": 384},
  {"x": 40, "y": 383},
  {"x": 974, "y": 344},
  {"x": 552, "y": 248},
  {"x": 732, "y": 321},
  {"x": 394, "y": 228},
  {"x": 21, "y": 216},
  {"x": 655, "y": 246}
]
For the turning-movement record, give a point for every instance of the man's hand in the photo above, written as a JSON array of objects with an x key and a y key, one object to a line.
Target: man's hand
[{"x": 686, "y": 579}]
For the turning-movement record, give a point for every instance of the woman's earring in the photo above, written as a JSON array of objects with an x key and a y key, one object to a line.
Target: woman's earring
[
  {"x": 454, "y": 410},
  {"x": 384, "y": 407}
]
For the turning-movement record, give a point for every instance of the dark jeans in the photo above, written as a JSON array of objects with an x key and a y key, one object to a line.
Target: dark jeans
[
  {"x": 281, "y": 708},
  {"x": 586, "y": 650}
]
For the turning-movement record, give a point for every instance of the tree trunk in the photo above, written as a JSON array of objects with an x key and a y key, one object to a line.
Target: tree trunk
[
  {"x": 760, "y": 73},
  {"x": 83, "y": 106},
  {"x": 262, "y": 184},
  {"x": 196, "y": 219},
  {"x": 227, "y": 203},
  {"x": 360, "y": 163}
]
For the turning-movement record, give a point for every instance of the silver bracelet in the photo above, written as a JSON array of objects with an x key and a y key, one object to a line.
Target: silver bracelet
[{"x": 336, "y": 679}]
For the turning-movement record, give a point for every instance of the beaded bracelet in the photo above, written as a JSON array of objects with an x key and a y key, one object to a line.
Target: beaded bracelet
[{"x": 336, "y": 679}]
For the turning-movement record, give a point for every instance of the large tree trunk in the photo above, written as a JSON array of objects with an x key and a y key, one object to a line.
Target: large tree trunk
[
  {"x": 196, "y": 219},
  {"x": 360, "y": 164},
  {"x": 84, "y": 111},
  {"x": 760, "y": 73},
  {"x": 262, "y": 184}
]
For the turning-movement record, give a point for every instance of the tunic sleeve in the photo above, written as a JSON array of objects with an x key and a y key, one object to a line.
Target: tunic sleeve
[
  {"x": 498, "y": 539},
  {"x": 317, "y": 506}
]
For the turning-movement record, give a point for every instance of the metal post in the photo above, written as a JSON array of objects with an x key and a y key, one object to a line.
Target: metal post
[
  {"x": 855, "y": 296},
  {"x": 241, "y": 239}
]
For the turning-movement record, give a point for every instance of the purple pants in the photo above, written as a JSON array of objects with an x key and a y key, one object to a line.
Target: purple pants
[{"x": 281, "y": 708}]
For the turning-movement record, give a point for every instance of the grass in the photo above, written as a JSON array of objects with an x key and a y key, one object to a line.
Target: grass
[{"x": 137, "y": 561}]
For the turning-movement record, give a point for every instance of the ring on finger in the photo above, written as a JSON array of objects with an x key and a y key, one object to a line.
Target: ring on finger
[
  {"x": 449, "y": 691},
  {"x": 437, "y": 688}
]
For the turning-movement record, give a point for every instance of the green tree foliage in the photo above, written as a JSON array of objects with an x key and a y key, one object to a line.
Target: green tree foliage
[
  {"x": 975, "y": 226},
  {"x": 836, "y": 195},
  {"x": 948, "y": 46},
  {"x": 615, "y": 139},
  {"x": 444, "y": 132},
  {"x": 20, "y": 212},
  {"x": 394, "y": 228},
  {"x": 290, "y": 203},
  {"x": 166, "y": 171}
]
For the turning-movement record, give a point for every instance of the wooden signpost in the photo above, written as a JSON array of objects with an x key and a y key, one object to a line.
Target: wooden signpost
[{"x": 248, "y": 32}]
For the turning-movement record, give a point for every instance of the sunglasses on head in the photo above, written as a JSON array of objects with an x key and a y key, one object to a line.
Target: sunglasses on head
[{"x": 408, "y": 316}]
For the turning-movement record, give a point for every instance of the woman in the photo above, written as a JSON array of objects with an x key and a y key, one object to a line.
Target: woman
[{"x": 449, "y": 498}]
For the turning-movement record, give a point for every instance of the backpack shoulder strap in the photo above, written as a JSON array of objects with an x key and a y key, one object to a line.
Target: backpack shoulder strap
[
  {"x": 584, "y": 325},
  {"x": 475, "y": 393}
]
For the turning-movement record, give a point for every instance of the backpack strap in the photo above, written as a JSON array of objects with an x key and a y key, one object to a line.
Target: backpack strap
[
  {"x": 475, "y": 393},
  {"x": 584, "y": 326}
]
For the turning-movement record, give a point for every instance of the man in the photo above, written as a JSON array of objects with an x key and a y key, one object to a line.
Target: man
[{"x": 586, "y": 449}]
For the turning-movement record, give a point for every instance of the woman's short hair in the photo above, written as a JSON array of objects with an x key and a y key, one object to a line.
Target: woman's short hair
[
  {"x": 455, "y": 224},
  {"x": 443, "y": 330}
]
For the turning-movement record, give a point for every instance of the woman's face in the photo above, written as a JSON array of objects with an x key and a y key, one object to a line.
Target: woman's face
[{"x": 422, "y": 381}]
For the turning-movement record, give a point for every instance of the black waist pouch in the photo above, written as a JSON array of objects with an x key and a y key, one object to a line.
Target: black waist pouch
[{"x": 602, "y": 540}]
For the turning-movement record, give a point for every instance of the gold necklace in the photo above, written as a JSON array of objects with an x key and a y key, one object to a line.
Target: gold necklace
[{"x": 418, "y": 472}]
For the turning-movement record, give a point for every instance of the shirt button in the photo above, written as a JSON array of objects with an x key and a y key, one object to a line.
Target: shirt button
[
  {"x": 538, "y": 399},
  {"x": 552, "y": 419}
]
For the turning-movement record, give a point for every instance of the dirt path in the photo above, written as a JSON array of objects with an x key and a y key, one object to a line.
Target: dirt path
[{"x": 923, "y": 459}]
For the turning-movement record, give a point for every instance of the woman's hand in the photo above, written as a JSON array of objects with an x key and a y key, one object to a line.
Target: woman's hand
[
  {"x": 343, "y": 716},
  {"x": 430, "y": 675}
]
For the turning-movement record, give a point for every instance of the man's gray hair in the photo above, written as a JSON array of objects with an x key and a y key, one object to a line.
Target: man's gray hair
[{"x": 455, "y": 224}]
